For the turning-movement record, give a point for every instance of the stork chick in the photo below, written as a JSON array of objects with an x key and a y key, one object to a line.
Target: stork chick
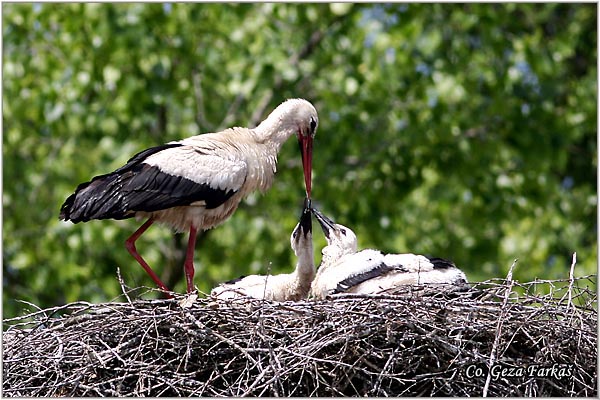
[
  {"x": 196, "y": 183},
  {"x": 343, "y": 269},
  {"x": 282, "y": 287}
]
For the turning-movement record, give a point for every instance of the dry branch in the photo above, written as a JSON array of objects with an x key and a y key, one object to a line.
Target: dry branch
[{"x": 412, "y": 342}]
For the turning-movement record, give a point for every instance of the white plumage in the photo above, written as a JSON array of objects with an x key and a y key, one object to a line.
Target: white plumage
[
  {"x": 282, "y": 287},
  {"x": 343, "y": 269},
  {"x": 195, "y": 183}
]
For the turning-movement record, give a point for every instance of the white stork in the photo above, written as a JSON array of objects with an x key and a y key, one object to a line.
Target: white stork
[
  {"x": 195, "y": 183},
  {"x": 343, "y": 269},
  {"x": 282, "y": 287}
]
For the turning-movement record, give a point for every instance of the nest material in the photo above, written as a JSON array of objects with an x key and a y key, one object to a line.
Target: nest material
[{"x": 413, "y": 342}]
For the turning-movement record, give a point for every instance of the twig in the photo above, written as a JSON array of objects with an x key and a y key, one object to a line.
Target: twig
[
  {"x": 201, "y": 120},
  {"x": 499, "y": 328},
  {"x": 315, "y": 38},
  {"x": 122, "y": 283},
  {"x": 230, "y": 115},
  {"x": 572, "y": 278}
]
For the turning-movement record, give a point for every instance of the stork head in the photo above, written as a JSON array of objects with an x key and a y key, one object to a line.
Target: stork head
[
  {"x": 301, "y": 238},
  {"x": 293, "y": 116},
  {"x": 340, "y": 239}
]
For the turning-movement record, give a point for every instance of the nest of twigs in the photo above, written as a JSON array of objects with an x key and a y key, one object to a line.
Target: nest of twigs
[{"x": 498, "y": 338}]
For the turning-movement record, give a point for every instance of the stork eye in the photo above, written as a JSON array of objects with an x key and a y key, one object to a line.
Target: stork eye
[
  {"x": 313, "y": 125},
  {"x": 343, "y": 232}
]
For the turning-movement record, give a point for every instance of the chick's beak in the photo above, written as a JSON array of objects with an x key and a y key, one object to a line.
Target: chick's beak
[
  {"x": 304, "y": 226},
  {"x": 306, "y": 221},
  {"x": 326, "y": 224},
  {"x": 306, "y": 149}
]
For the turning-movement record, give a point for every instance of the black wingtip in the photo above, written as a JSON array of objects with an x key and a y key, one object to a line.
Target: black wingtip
[
  {"x": 66, "y": 210},
  {"x": 98, "y": 198}
]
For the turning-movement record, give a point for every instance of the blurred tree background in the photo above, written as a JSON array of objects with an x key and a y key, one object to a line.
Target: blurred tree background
[{"x": 461, "y": 131}]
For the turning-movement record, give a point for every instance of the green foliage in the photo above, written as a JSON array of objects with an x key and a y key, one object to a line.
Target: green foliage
[{"x": 463, "y": 131}]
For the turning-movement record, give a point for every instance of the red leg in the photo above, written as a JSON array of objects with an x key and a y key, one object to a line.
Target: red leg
[
  {"x": 130, "y": 245},
  {"x": 189, "y": 260}
]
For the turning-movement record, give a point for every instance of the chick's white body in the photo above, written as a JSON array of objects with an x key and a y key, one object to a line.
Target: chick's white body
[
  {"x": 343, "y": 269},
  {"x": 282, "y": 287}
]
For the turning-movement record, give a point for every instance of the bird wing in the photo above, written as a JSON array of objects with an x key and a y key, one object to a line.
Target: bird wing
[
  {"x": 372, "y": 264},
  {"x": 418, "y": 269},
  {"x": 354, "y": 269},
  {"x": 353, "y": 280},
  {"x": 208, "y": 163},
  {"x": 158, "y": 178},
  {"x": 409, "y": 262},
  {"x": 186, "y": 175},
  {"x": 397, "y": 270}
]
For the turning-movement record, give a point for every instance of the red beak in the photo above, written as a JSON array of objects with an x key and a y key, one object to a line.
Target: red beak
[{"x": 306, "y": 147}]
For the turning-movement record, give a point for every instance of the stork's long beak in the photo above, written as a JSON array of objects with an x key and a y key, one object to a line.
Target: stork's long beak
[
  {"x": 306, "y": 149},
  {"x": 326, "y": 224}
]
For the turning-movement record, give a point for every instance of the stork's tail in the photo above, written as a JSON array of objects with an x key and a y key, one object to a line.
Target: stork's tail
[
  {"x": 103, "y": 197},
  {"x": 96, "y": 199}
]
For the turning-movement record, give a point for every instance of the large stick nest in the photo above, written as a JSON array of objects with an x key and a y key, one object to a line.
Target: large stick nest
[{"x": 413, "y": 342}]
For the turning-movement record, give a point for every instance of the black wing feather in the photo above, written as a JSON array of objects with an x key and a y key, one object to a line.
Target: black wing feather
[
  {"x": 232, "y": 281},
  {"x": 354, "y": 280},
  {"x": 440, "y": 263},
  {"x": 137, "y": 186}
]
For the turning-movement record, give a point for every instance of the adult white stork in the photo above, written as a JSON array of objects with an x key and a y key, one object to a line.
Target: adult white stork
[
  {"x": 343, "y": 269},
  {"x": 282, "y": 287},
  {"x": 195, "y": 183}
]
